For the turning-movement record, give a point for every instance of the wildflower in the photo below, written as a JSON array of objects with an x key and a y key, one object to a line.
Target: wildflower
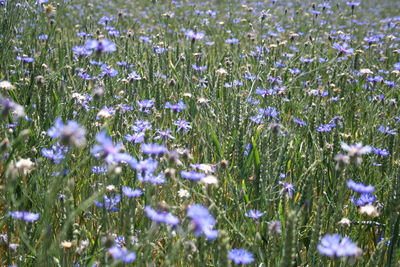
[
  {"x": 24, "y": 166},
  {"x": 240, "y": 256},
  {"x": 344, "y": 222},
  {"x": 70, "y": 134},
  {"x": 192, "y": 175},
  {"x": 360, "y": 188},
  {"x": 24, "y": 215},
  {"x": 334, "y": 246},
  {"x": 288, "y": 188},
  {"x": 209, "y": 179},
  {"x": 109, "y": 203},
  {"x": 194, "y": 35},
  {"x": 164, "y": 135},
  {"x": 232, "y": 41},
  {"x": 135, "y": 138},
  {"x": 343, "y": 48},
  {"x": 363, "y": 200},
  {"x": 355, "y": 151},
  {"x": 182, "y": 193},
  {"x": 300, "y": 122},
  {"x": 145, "y": 105},
  {"x": 153, "y": 149},
  {"x": 9, "y": 107},
  {"x": 202, "y": 221},
  {"x": 128, "y": 192},
  {"x": 6, "y": 85},
  {"x": 100, "y": 46},
  {"x": 254, "y": 214},
  {"x": 387, "y": 130},
  {"x": 175, "y": 107},
  {"x": 110, "y": 152},
  {"x": 161, "y": 216},
  {"x": 121, "y": 253},
  {"x": 370, "y": 210},
  {"x": 182, "y": 125}
]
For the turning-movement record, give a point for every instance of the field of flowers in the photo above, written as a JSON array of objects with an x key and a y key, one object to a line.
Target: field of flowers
[{"x": 199, "y": 133}]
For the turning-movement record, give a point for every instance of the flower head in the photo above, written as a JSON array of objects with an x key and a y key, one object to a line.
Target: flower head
[
  {"x": 240, "y": 256},
  {"x": 335, "y": 246},
  {"x": 68, "y": 134},
  {"x": 202, "y": 221}
]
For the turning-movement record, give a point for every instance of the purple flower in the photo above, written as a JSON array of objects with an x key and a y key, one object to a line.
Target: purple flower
[
  {"x": 343, "y": 48},
  {"x": 182, "y": 125},
  {"x": 380, "y": 152},
  {"x": 100, "y": 46},
  {"x": 192, "y": 175},
  {"x": 121, "y": 253},
  {"x": 99, "y": 169},
  {"x": 175, "y": 107},
  {"x": 128, "y": 192},
  {"x": 194, "y": 35},
  {"x": 199, "y": 68},
  {"x": 161, "y": 216},
  {"x": 202, "y": 221},
  {"x": 300, "y": 122},
  {"x": 232, "y": 41},
  {"x": 69, "y": 134},
  {"x": 56, "y": 153},
  {"x": 240, "y": 256},
  {"x": 359, "y": 187},
  {"x": 288, "y": 188},
  {"x": 254, "y": 214},
  {"x": 109, "y": 203},
  {"x": 136, "y": 138},
  {"x": 335, "y": 246},
  {"x": 110, "y": 152},
  {"x": 145, "y": 105},
  {"x": 387, "y": 130},
  {"x": 363, "y": 200},
  {"x": 164, "y": 135},
  {"x": 24, "y": 215},
  {"x": 352, "y": 4},
  {"x": 153, "y": 149}
]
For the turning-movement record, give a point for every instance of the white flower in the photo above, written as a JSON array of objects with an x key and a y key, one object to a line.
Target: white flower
[{"x": 182, "y": 193}]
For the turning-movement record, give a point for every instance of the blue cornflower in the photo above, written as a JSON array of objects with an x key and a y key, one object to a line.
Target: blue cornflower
[
  {"x": 380, "y": 152},
  {"x": 254, "y": 214},
  {"x": 128, "y": 192},
  {"x": 136, "y": 138},
  {"x": 335, "y": 246},
  {"x": 300, "y": 122},
  {"x": 164, "y": 135},
  {"x": 202, "y": 221},
  {"x": 145, "y": 105},
  {"x": 182, "y": 125},
  {"x": 161, "y": 216},
  {"x": 194, "y": 35},
  {"x": 240, "y": 256},
  {"x": 100, "y": 46},
  {"x": 387, "y": 130},
  {"x": 343, "y": 48},
  {"x": 56, "y": 153},
  {"x": 110, "y": 152},
  {"x": 69, "y": 134},
  {"x": 109, "y": 203},
  {"x": 153, "y": 149},
  {"x": 199, "y": 68},
  {"x": 363, "y": 200},
  {"x": 232, "y": 41},
  {"x": 121, "y": 253},
  {"x": 360, "y": 188},
  {"x": 99, "y": 169},
  {"x": 24, "y": 215},
  {"x": 192, "y": 175},
  {"x": 175, "y": 107},
  {"x": 141, "y": 126}
]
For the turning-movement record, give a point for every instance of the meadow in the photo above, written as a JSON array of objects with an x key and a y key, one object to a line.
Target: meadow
[{"x": 199, "y": 133}]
